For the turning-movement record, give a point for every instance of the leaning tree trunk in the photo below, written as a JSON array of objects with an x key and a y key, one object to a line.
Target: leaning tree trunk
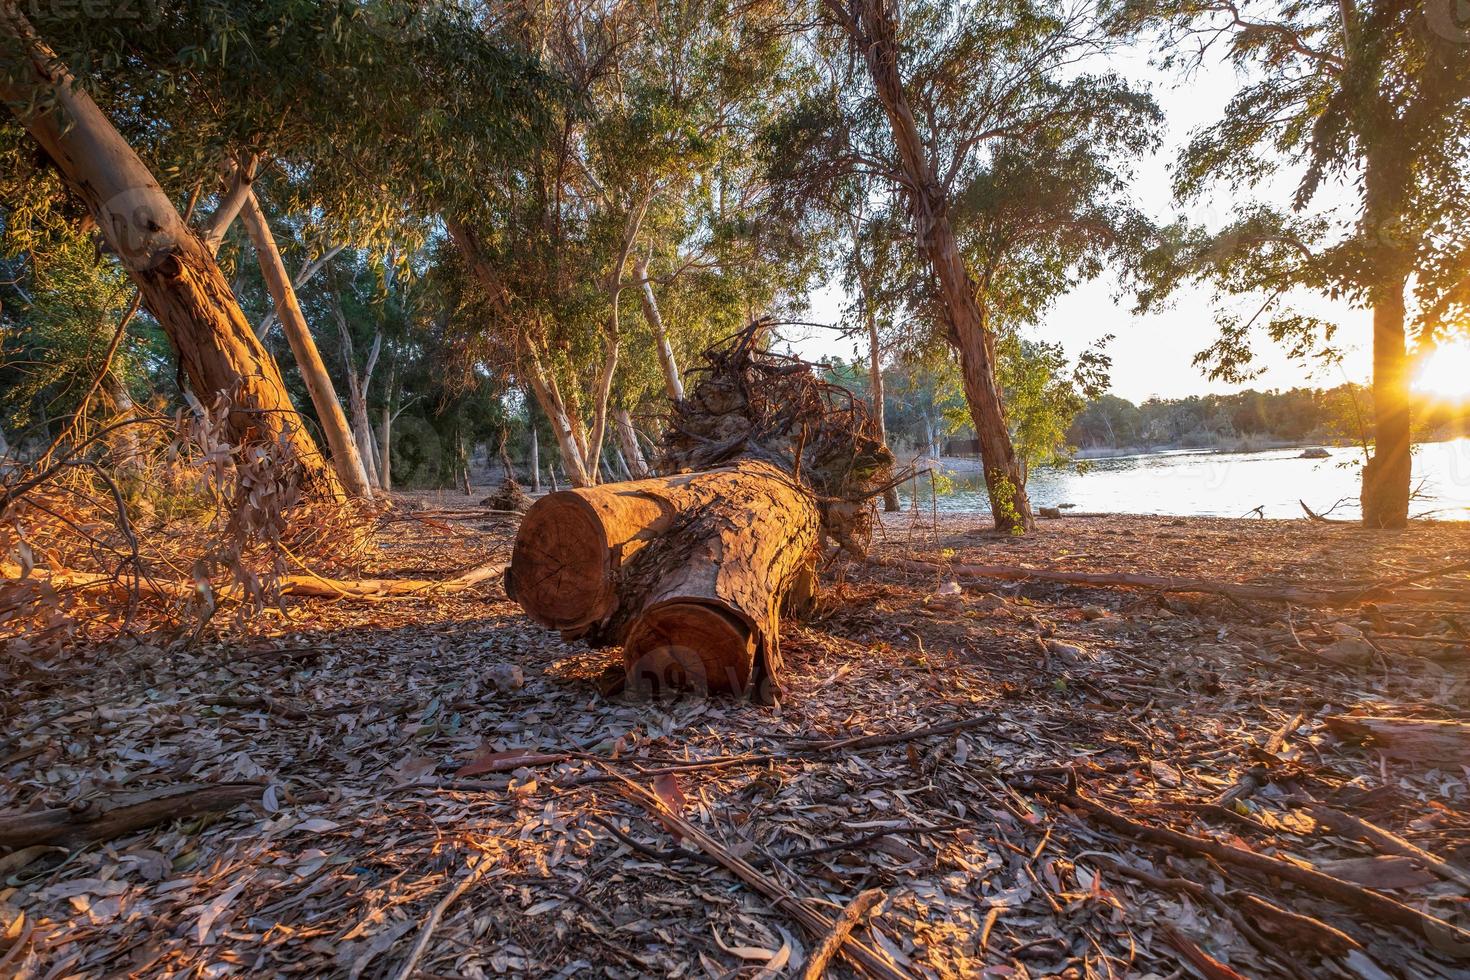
[
  {"x": 673, "y": 384},
  {"x": 687, "y": 572},
  {"x": 628, "y": 442},
  {"x": 347, "y": 457},
  {"x": 1009, "y": 505},
  {"x": 179, "y": 280}
]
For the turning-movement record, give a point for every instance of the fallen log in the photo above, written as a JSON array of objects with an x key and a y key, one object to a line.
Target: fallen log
[
  {"x": 688, "y": 572},
  {"x": 103, "y": 820},
  {"x": 309, "y": 585},
  {"x": 1435, "y": 743}
]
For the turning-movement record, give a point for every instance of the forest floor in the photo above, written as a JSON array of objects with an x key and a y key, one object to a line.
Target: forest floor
[{"x": 1025, "y": 721}]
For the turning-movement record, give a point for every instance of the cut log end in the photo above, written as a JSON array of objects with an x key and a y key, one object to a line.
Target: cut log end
[
  {"x": 689, "y": 646},
  {"x": 562, "y": 564}
]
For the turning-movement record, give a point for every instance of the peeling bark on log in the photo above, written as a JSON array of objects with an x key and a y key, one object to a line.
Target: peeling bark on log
[{"x": 688, "y": 572}]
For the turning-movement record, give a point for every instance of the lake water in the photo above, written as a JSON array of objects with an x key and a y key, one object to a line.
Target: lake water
[{"x": 1194, "y": 482}]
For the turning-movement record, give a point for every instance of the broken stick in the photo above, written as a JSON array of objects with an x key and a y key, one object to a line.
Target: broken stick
[
  {"x": 861, "y": 955},
  {"x": 1385, "y": 840},
  {"x": 841, "y": 929},
  {"x": 102, "y": 820},
  {"x": 1445, "y": 935}
]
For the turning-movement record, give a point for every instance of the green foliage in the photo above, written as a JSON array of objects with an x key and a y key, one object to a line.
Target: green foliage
[
  {"x": 1044, "y": 394},
  {"x": 60, "y": 305},
  {"x": 1376, "y": 96}
]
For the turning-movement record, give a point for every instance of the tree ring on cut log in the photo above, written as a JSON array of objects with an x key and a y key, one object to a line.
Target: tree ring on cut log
[
  {"x": 563, "y": 567},
  {"x": 689, "y": 646}
]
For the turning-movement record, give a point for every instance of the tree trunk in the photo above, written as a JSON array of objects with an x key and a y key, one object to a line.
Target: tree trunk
[
  {"x": 1387, "y": 476},
  {"x": 179, "y": 280},
  {"x": 385, "y": 434},
  {"x": 347, "y": 457},
  {"x": 875, "y": 383},
  {"x": 628, "y": 440},
  {"x": 357, "y": 389},
  {"x": 535, "y": 459},
  {"x": 549, "y": 399},
  {"x": 673, "y": 384},
  {"x": 687, "y": 572},
  {"x": 385, "y": 461},
  {"x": 1009, "y": 505},
  {"x": 303, "y": 277}
]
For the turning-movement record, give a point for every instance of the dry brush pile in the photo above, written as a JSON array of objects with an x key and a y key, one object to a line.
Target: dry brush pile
[{"x": 152, "y": 525}]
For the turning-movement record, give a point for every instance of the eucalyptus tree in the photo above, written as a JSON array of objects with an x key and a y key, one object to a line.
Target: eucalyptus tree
[
  {"x": 624, "y": 200},
  {"x": 952, "y": 93},
  {"x": 1370, "y": 96},
  {"x": 362, "y": 119},
  {"x": 168, "y": 263}
]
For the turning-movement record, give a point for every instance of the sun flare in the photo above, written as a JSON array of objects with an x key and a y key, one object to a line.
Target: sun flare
[{"x": 1445, "y": 372}]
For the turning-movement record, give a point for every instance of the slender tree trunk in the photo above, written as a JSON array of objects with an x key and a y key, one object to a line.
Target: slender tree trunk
[
  {"x": 875, "y": 383},
  {"x": 628, "y": 440},
  {"x": 357, "y": 389},
  {"x": 1009, "y": 504},
  {"x": 346, "y": 455},
  {"x": 611, "y": 344},
  {"x": 535, "y": 460},
  {"x": 673, "y": 384},
  {"x": 179, "y": 280},
  {"x": 303, "y": 277},
  {"x": 1387, "y": 476},
  {"x": 385, "y": 435},
  {"x": 561, "y": 425}
]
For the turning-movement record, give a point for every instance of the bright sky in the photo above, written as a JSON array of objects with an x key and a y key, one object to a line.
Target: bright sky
[{"x": 1152, "y": 354}]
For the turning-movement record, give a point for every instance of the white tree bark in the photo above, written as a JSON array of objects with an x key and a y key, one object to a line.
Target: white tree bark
[
  {"x": 357, "y": 390},
  {"x": 535, "y": 460},
  {"x": 673, "y": 384},
  {"x": 632, "y": 454},
  {"x": 308, "y": 271}
]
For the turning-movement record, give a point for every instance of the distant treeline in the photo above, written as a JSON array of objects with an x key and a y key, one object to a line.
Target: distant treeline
[
  {"x": 926, "y": 413},
  {"x": 1248, "y": 418}
]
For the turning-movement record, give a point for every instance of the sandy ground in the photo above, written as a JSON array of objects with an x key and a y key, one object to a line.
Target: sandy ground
[{"x": 1021, "y": 718}]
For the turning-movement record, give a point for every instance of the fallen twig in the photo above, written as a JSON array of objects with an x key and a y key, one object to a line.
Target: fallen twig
[
  {"x": 1268, "y": 593},
  {"x": 894, "y": 738},
  {"x": 426, "y": 932},
  {"x": 1384, "y": 908},
  {"x": 1384, "y": 840},
  {"x": 841, "y": 929},
  {"x": 101, "y": 820},
  {"x": 816, "y": 923}
]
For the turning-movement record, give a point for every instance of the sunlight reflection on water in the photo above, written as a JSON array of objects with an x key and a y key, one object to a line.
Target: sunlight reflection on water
[{"x": 1193, "y": 482}]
